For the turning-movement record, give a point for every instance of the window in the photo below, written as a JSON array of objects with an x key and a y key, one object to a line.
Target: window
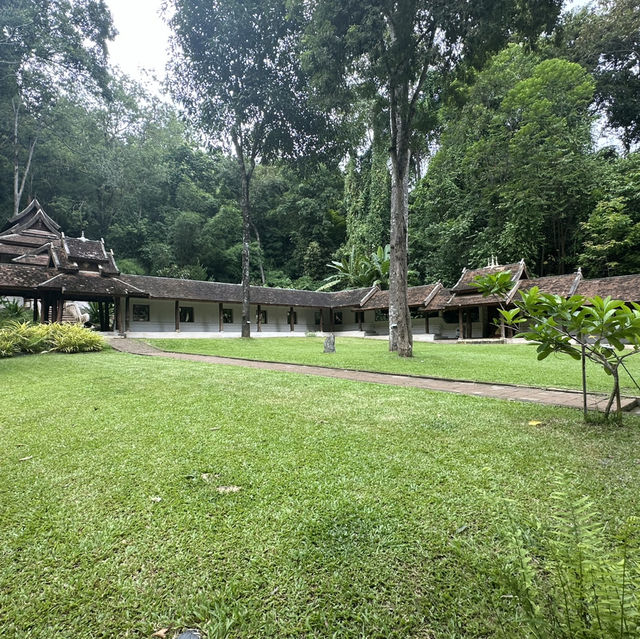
[
  {"x": 186, "y": 314},
  {"x": 140, "y": 312},
  {"x": 295, "y": 317},
  {"x": 262, "y": 317},
  {"x": 337, "y": 318},
  {"x": 227, "y": 316},
  {"x": 359, "y": 316},
  {"x": 382, "y": 316}
]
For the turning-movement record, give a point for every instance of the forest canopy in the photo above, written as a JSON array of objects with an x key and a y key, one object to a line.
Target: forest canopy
[{"x": 530, "y": 152}]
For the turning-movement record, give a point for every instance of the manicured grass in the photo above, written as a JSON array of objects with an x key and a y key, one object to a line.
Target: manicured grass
[
  {"x": 499, "y": 363},
  {"x": 362, "y": 510}
]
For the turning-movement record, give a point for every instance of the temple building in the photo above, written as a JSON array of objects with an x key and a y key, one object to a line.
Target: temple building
[{"x": 49, "y": 270}]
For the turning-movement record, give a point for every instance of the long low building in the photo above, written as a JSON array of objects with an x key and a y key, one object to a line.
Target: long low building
[{"x": 39, "y": 264}]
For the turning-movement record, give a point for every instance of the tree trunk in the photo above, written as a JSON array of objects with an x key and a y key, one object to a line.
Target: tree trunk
[
  {"x": 246, "y": 240},
  {"x": 18, "y": 185},
  {"x": 400, "y": 337},
  {"x": 260, "y": 264}
]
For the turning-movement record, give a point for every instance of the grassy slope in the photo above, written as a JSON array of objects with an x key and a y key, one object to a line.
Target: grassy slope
[
  {"x": 345, "y": 524},
  {"x": 515, "y": 364}
]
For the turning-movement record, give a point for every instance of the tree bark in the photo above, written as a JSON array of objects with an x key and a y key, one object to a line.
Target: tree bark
[
  {"x": 245, "y": 175},
  {"x": 260, "y": 264},
  {"x": 400, "y": 337},
  {"x": 18, "y": 185},
  {"x": 246, "y": 240}
]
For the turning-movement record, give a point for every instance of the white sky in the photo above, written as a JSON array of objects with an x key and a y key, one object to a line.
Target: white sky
[{"x": 140, "y": 48}]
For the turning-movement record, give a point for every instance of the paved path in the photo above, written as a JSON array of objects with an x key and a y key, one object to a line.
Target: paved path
[{"x": 508, "y": 392}]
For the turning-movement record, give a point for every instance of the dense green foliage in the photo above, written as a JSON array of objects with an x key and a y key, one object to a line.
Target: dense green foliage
[
  {"x": 377, "y": 513},
  {"x": 23, "y": 337},
  {"x": 515, "y": 174}
]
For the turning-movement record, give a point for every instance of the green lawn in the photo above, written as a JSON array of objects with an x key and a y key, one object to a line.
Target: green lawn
[
  {"x": 500, "y": 363},
  {"x": 361, "y": 510}
]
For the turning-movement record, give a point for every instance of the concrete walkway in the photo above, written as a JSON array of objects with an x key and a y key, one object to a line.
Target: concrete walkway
[{"x": 509, "y": 392}]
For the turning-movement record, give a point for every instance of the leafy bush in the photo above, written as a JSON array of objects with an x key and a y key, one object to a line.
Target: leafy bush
[
  {"x": 72, "y": 338},
  {"x": 11, "y": 311},
  {"x": 567, "y": 583},
  {"x": 22, "y": 337}
]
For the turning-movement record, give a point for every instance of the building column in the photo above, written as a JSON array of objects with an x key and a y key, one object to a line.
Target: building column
[
  {"x": 127, "y": 314},
  {"x": 122, "y": 315},
  {"x": 220, "y": 322},
  {"x": 35, "y": 310},
  {"x": 177, "y": 315},
  {"x": 59, "y": 310},
  {"x": 469, "y": 325},
  {"x": 321, "y": 321},
  {"x": 426, "y": 322},
  {"x": 291, "y": 322},
  {"x": 259, "y": 318},
  {"x": 116, "y": 315},
  {"x": 460, "y": 324}
]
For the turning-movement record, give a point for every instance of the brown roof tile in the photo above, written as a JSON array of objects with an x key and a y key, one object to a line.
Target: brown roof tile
[
  {"x": 562, "y": 285},
  {"x": 621, "y": 287},
  {"x": 518, "y": 270},
  {"x": 416, "y": 296}
]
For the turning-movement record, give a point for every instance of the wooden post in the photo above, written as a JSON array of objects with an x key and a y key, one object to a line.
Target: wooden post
[
  {"x": 127, "y": 314},
  {"x": 332, "y": 322},
  {"x": 177, "y": 315},
  {"x": 122, "y": 325},
  {"x": 584, "y": 382},
  {"x": 220, "y": 322},
  {"x": 460, "y": 324},
  {"x": 426, "y": 322},
  {"x": 59, "y": 310},
  {"x": 35, "y": 310},
  {"x": 321, "y": 321},
  {"x": 291, "y": 328},
  {"x": 116, "y": 315},
  {"x": 259, "y": 318},
  {"x": 360, "y": 314},
  {"x": 502, "y": 332}
]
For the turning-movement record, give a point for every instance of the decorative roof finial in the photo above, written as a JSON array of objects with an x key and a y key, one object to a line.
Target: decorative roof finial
[{"x": 82, "y": 237}]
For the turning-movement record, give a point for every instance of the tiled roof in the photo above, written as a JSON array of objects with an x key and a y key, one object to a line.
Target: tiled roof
[
  {"x": 622, "y": 287},
  {"x": 416, "y": 296},
  {"x": 86, "y": 284},
  {"x": 465, "y": 283},
  {"x": 31, "y": 216},
  {"x": 562, "y": 285},
  {"x": 79, "y": 248},
  {"x": 22, "y": 277}
]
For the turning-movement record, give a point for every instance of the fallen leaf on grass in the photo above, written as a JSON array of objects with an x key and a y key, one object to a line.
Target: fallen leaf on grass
[
  {"x": 227, "y": 489},
  {"x": 533, "y": 422},
  {"x": 156, "y": 499},
  {"x": 26, "y": 458},
  {"x": 162, "y": 633}
]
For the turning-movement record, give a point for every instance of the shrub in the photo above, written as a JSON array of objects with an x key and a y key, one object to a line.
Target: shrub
[
  {"x": 72, "y": 338},
  {"x": 12, "y": 311},
  {"x": 21, "y": 337},
  {"x": 568, "y": 583}
]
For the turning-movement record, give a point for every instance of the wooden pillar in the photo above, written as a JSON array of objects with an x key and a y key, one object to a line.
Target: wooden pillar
[
  {"x": 116, "y": 314},
  {"x": 460, "y": 325},
  {"x": 35, "y": 310},
  {"x": 321, "y": 321},
  {"x": 220, "y": 322},
  {"x": 426, "y": 322},
  {"x": 122, "y": 316},
  {"x": 127, "y": 314},
  {"x": 177, "y": 315},
  {"x": 259, "y": 318},
  {"x": 469, "y": 325},
  {"x": 291, "y": 322},
  {"x": 360, "y": 314},
  {"x": 59, "y": 310}
]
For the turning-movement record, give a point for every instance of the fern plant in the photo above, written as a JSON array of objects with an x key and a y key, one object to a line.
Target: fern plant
[{"x": 568, "y": 583}]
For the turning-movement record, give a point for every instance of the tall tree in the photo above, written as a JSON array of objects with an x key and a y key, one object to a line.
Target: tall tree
[
  {"x": 237, "y": 71},
  {"x": 46, "y": 46},
  {"x": 389, "y": 49},
  {"x": 606, "y": 40}
]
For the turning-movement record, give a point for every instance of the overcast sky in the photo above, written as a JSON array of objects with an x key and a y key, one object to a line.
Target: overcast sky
[{"x": 140, "y": 48}]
